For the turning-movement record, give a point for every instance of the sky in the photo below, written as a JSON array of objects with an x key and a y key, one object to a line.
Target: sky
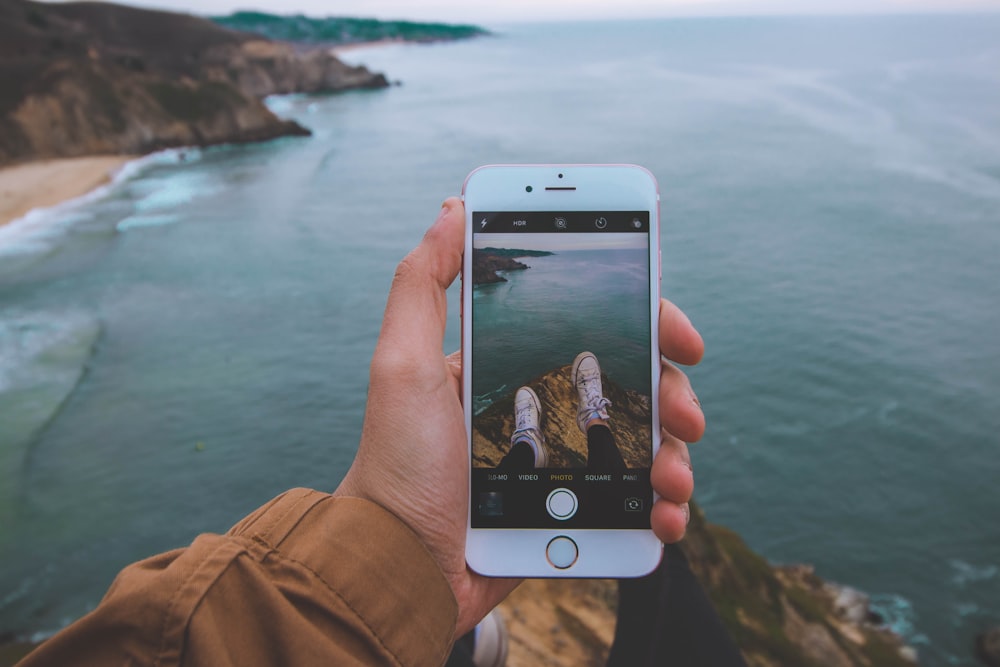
[{"x": 510, "y": 11}]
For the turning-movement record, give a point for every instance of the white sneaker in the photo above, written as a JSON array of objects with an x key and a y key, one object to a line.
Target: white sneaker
[
  {"x": 527, "y": 417},
  {"x": 587, "y": 380},
  {"x": 490, "y": 648}
]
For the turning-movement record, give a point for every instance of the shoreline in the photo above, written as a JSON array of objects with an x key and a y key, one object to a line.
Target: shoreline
[{"x": 43, "y": 184}]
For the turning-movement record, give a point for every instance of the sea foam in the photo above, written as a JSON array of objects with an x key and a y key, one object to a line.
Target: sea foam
[
  {"x": 35, "y": 231},
  {"x": 43, "y": 356}
]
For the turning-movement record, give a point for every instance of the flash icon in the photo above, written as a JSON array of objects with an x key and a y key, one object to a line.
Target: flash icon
[{"x": 482, "y": 224}]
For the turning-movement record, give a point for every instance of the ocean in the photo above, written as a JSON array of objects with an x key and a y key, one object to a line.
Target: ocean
[
  {"x": 194, "y": 339},
  {"x": 572, "y": 301}
]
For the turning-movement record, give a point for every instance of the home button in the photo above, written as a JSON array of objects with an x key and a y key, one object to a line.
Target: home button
[{"x": 561, "y": 552}]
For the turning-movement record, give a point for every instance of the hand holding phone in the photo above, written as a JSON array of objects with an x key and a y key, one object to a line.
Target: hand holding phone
[
  {"x": 561, "y": 368},
  {"x": 413, "y": 455}
]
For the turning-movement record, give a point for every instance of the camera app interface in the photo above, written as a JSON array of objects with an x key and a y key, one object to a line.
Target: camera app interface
[{"x": 562, "y": 412}]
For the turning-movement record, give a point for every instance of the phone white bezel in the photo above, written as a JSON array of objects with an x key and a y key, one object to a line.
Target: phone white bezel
[{"x": 511, "y": 552}]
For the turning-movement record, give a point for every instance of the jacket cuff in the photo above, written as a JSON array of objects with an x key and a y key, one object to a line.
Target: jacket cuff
[{"x": 369, "y": 558}]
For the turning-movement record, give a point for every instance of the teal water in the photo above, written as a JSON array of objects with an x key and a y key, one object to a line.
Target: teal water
[
  {"x": 174, "y": 353},
  {"x": 563, "y": 304}
]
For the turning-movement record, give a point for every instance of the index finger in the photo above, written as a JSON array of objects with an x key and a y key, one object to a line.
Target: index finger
[
  {"x": 679, "y": 340},
  {"x": 416, "y": 309}
]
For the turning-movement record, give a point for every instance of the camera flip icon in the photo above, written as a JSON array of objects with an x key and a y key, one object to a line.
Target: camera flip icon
[{"x": 633, "y": 504}]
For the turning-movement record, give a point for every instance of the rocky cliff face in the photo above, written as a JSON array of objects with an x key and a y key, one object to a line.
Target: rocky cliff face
[
  {"x": 778, "y": 616},
  {"x": 485, "y": 267},
  {"x": 566, "y": 444},
  {"x": 260, "y": 68},
  {"x": 90, "y": 78}
]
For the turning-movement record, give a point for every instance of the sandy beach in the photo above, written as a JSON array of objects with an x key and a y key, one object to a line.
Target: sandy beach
[{"x": 49, "y": 182}]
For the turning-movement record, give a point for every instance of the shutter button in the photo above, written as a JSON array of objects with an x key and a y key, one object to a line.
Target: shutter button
[{"x": 561, "y": 504}]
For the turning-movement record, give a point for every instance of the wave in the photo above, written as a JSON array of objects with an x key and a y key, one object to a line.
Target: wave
[
  {"x": 34, "y": 232},
  {"x": 134, "y": 221},
  {"x": 480, "y": 403},
  {"x": 158, "y": 199},
  {"x": 966, "y": 573},
  {"x": 899, "y": 616},
  {"x": 43, "y": 357}
]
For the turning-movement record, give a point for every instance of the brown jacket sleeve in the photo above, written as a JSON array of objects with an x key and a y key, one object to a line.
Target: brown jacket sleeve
[{"x": 305, "y": 580}]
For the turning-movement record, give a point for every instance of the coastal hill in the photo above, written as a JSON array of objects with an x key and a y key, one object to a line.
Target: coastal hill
[
  {"x": 566, "y": 444},
  {"x": 486, "y": 262},
  {"x": 86, "y": 78}
]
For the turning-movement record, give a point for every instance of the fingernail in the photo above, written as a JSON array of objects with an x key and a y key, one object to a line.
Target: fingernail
[{"x": 687, "y": 513}]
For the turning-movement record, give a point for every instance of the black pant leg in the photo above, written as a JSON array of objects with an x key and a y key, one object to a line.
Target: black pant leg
[
  {"x": 519, "y": 459},
  {"x": 461, "y": 652},
  {"x": 602, "y": 452},
  {"x": 667, "y": 619}
]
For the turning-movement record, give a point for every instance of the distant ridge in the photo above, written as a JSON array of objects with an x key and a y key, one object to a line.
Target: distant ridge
[{"x": 334, "y": 31}]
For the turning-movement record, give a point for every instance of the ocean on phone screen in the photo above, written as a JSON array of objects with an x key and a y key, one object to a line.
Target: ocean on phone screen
[
  {"x": 565, "y": 303},
  {"x": 195, "y": 338}
]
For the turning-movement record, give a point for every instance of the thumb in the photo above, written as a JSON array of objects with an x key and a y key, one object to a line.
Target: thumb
[{"x": 416, "y": 312}]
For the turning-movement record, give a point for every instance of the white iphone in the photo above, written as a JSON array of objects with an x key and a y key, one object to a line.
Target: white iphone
[{"x": 561, "y": 365}]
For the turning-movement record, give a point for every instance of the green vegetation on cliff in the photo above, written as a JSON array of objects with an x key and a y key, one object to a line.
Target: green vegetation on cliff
[
  {"x": 781, "y": 615},
  {"x": 339, "y": 30}
]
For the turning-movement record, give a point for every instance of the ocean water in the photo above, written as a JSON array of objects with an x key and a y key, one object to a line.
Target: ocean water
[
  {"x": 194, "y": 340},
  {"x": 563, "y": 304}
]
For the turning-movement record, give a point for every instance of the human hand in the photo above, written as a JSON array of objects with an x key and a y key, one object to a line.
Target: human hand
[
  {"x": 681, "y": 422},
  {"x": 413, "y": 456}
]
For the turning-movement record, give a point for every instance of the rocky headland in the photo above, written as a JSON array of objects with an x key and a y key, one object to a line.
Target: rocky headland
[
  {"x": 487, "y": 262},
  {"x": 86, "y": 78},
  {"x": 566, "y": 444}
]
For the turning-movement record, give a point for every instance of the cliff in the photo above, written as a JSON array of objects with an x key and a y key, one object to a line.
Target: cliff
[
  {"x": 778, "y": 616},
  {"x": 566, "y": 444},
  {"x": 485, "y": 266},
  {"x": 91, "y": 78},
  {"x": 487, "y": 261}
]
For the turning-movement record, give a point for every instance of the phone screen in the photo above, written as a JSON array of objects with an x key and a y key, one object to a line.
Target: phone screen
[{"x": 561, "y": 369}]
